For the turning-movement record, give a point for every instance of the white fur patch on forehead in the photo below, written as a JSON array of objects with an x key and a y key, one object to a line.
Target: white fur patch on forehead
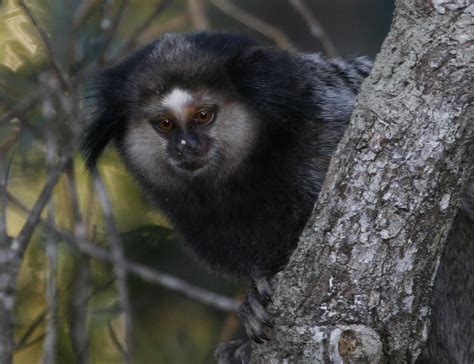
[{"x": 177, "y": 100}]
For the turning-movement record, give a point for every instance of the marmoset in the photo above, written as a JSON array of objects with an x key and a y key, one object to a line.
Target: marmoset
[{"x": 231, "y": 139}]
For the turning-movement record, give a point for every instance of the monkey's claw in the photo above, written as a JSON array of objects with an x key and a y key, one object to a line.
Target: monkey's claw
[
  {"x": 234, "y": 352},
  {"x": 254, "y": 317},
  {"x": 264, "y": 288}
]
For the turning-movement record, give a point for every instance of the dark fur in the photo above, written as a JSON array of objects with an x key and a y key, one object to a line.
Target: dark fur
[
  {"x": 451, "y": 338},
  {"x": 245, "y": 223},
  {"x": 249, "y": 222}
]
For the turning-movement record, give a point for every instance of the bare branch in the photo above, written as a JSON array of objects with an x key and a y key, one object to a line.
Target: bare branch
[
  {"x": 110, "y": 25},
  {"x": 176, "y": 284},
  {"x": 21, "y": 241},
  {"x": 22, "y": 343},
  {"x": 49, "y": 353},
  {"x": 4, "y": 240},
  {"x": 80, "y": 295},
  {"x": 82, "y": 12},
  {"x": 174, "y": 23},
  {"x": 115, "y": 339},
  {"x": 169, "y": 281},
  {"x": 315, "y": 26},
  {"x": 44, "y": 37},
  {"x": 5, "y": 167},
  {"x": 148, "y": 274},
  {"x": 8, "y": 265},
  {"x": 250, "y": 20},
  {"x": 131, "y": 42},
  {"x": 20, "y": 108},
  {"x": 31, "y": 329},
  {"x": 79, "y": 305},
  {"x": 198, "y": 14},
  {"x": 26, "y": 345},
  {"x": 7, "y": 283},
  {"x": 118, "y": 261}
]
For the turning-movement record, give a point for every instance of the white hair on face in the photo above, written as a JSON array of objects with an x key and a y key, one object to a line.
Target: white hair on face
[
  {"x": 232, "y": 137},
  {"x": 177, "y": 100},
  {"x": 234, "y": 132},
  {"x": 145, "y": 150}
]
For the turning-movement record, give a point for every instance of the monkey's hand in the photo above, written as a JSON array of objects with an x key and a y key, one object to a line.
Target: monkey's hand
[
  {"x": 234, "y": 352},
  {"x": 253, "y": 313}
]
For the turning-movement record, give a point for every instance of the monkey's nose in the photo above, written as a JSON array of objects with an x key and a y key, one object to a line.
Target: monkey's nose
[
  {"x": 187, "y": 144},
  {"x": 180, "y": 149}
]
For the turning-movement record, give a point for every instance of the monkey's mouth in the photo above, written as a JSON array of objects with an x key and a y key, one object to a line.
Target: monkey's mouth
[{"x": 191, "y": 167}]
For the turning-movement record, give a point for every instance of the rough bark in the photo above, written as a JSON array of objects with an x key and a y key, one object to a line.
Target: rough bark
[{"x": 358, "y": 287}]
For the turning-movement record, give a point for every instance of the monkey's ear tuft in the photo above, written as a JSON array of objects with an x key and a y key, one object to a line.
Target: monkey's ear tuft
[
  {"x": 94, "y": 140},
  {"x": 109, "y": 115}
]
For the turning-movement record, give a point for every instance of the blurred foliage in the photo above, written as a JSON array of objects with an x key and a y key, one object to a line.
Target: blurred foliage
[{"x": 167, "y": 327}]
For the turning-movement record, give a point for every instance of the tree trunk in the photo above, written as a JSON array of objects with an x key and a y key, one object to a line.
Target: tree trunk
[{"x": 358, "y": 287}]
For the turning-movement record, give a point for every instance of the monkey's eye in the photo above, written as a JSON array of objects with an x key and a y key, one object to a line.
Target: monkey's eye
[
  {"x": 204, "y": 117},
  {"x": 164, "y": 125}
]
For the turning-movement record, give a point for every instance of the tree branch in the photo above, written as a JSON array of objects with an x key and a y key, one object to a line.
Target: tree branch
[
  {"x": 44, "y": 37},
  {"x": 148, "y": 274},
  {"x": 253, "y": 22},
  {"x": 119, "y": 264},
  {"x": 110, "y": 25},
  {"x": 81, "y": 269},
  {"x": 49, "y": 352},
  {"x": 20, "y": 108},
  {"x": 132, "y": 41},
  {"x": 357, "y": 289},
  {"x": 198, "y": 14},
  {"x": 21, "y": 241},
  {"x": 315, "y": 26}
]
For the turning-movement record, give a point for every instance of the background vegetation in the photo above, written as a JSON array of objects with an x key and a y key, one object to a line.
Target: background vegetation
[{"x": 68, "y": 307}]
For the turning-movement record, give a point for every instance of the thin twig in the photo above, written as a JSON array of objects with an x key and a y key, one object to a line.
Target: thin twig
[
  {"x": 20, "y": 108},
  {"x": 35, "y": 130},
  {"x": 4, "y": 176},
  {"x": 49, "y": 353},
  {"x": 44, "y": 37},
  {"x": 111, "y": 25},
  {"x": 128, "y": 45},
  {"x": 80, "y": 16},
  {"x": 198, "y": 14},
  {"x": 22, "y": 342},
  {"x": 4, "y": 240},
  {"x": 9, "y": 141},
  {"x": 253, "y": 22},
  {"x": 79, "y": 308},
  {"x": 30, "y": 343},
  {"x": 80, "y": 296},
  {"x": 174, "y": 23},
  {"x": 83, "y": 10},
  {"x": 131, "y": 42},
  {"x": 21, "y": 241},
  {"x": 148, "y": 274},
  {"x": 118, "y": 261},
  {"x": 7, "y": 282},
  {"x": 31, "y": 329},
  {"x": 8, "y": 266},
  {"x": 115, "y": 339},
  {"x": 215, "y": 300},
  {"x": 315, "y": 26}
]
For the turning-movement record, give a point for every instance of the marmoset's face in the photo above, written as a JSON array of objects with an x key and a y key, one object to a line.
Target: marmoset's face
[{"x": 183, "y": 134}]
